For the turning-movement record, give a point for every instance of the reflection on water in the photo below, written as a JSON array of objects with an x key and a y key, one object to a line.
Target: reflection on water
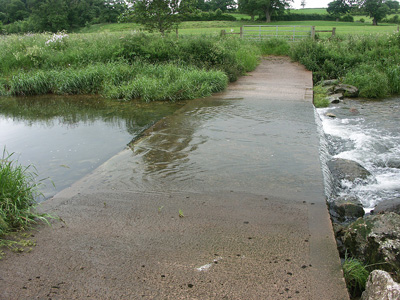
[
  {"x": 67, "y": 137},
  {"x": 215, "y": 144}
]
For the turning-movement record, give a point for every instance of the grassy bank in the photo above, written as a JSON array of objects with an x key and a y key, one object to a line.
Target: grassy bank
[
  {"x": 18, "y": 191},
  {"x": 370, "y": 62},
  {"x": 123, "y": 66}
]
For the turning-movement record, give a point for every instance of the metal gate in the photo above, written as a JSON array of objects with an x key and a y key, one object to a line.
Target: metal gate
[{"x": 287, "y": 32}]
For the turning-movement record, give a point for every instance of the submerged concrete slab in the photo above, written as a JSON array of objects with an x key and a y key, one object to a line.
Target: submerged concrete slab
[{"x": 222, "y": 200}]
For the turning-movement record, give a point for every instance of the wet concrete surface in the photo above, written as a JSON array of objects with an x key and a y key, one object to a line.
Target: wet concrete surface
[{"x": 222, "y": 200}]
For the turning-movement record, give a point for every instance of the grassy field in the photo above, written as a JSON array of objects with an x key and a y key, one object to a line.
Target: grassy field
[{"x": 215, "y": 27}]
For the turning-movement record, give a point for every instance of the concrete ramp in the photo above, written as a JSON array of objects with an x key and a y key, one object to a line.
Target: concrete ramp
[{"x": 222, "y": 200}]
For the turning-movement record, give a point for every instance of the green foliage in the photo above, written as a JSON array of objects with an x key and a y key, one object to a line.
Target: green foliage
[
  {"x": 320, "y": 97},
  {"x": 160, "y": 15},
  {"x": 355, "y": 275},
  {"x": 56, "y": 15},
  {"x": 274, "y": 47},
  {"x": 371, "y": 82},
  {"x": 18, "y": 191},
  {"x": 121, "y": 66},
  {"x": 369, "y": 62}
]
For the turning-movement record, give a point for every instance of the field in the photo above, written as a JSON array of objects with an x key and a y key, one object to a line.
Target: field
[{"x": 215, "y": 27}]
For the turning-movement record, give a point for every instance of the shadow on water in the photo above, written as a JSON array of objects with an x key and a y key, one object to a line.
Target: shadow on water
[{"x": 66, "y": 137}]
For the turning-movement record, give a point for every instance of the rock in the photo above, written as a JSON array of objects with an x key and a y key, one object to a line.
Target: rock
[
  {"x": 354, "y": 111},
  {"x": 375, "y": 240},
  {"x": 347, "y": 90},
  {"x": 331, "y": 115},
  {"x": 391, "y": 205},
  {"x": 380, "y": 286},
  {"x": 346, "y": 209},
  {"x": 329, "y": 82},
  {"x": 335, "y": 98},
  {"x": 346, "y": 169}
]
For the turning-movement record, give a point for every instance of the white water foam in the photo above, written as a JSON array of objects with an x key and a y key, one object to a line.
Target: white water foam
[{"x": 372, "y": 139}]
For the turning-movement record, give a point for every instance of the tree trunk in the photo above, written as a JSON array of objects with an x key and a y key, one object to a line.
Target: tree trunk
[
  {"x": 374, "y": 22},
  {"x": 268, "y": 16},
  {"x": 252, "y": 18}
]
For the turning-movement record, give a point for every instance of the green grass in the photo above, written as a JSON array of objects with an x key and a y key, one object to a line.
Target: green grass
[
  {"x": 355, "y": 275},
  {"x": 215, "y": 27},
  {"x": 320, "y": 97},
  {"x": 308, "y": 11},
  {"x": 128, "y": 65},
  {"x": 18, "y": 191}
]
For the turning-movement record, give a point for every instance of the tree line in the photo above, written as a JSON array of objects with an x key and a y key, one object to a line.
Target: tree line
[
  {"x": 160, "y": 15},
  {"x": 57, "y": 15}
]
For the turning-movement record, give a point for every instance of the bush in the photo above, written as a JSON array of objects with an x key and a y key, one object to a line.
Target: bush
[
  {"x": 347, "y": 18},
  {"x": 370, "y": 81},
  {"x": 320, "y": 97}
]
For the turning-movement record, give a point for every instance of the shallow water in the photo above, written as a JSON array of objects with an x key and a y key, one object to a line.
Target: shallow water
[
  {"x": 66, "y": 138},
  {"x": 367, "y": 132}
]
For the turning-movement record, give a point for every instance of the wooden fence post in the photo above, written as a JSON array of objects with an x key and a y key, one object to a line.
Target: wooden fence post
[
  {"x": 241, "y": 31},
  {"x": 223, "y": 32},
  {"x": 313, "y": 32},
  {"x": 333, "y": 31}
]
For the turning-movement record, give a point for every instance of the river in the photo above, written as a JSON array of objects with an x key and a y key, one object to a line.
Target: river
[
  {"x": 65, "y": 138},
  {"x": 367, "y": 132}
]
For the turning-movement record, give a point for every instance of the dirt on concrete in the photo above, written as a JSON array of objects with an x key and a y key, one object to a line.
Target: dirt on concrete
[{"x": 222, "y": 200}]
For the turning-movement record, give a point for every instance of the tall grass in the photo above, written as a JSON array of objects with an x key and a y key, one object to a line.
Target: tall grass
[
  {"x": 129, "y": 65},
  {"x": 138, "y": 80},
  {"x": 370, "y": 62},
  {"x": 18, "y": 191},
  {"x": 355, "y": 275}
]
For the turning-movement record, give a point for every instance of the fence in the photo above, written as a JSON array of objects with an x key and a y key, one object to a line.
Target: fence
[{"x": 288, "y": 32}]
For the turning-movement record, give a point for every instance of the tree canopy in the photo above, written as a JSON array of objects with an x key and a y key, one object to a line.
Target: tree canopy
[
  {"x": 56, "y": 15},
  {"x": 338, "y": 8},
  {"x": 160, "y": 15},
  {"x": 266, "y": 8},
  {"x": 376, "y": 9}
]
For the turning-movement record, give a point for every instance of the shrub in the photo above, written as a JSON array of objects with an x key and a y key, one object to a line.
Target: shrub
[
  {"x": 370, "y": 81},
  {"x": 320, "y": 97},
  {"x": 347, "y": 18}
]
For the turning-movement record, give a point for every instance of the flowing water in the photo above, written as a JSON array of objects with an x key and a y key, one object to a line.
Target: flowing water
[
  {"x": 367, "y": 132},
  {"x": 65, "y": 138}
]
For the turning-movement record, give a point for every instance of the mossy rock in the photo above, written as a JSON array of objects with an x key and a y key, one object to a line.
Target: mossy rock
[{"x": 376, "y": 241}]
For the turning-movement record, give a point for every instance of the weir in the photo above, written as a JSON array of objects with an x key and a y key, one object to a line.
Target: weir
[{"x": 222, "y": 200}]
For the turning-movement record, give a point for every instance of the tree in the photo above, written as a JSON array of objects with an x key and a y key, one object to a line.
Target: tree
[
  {"x": 303, "y": 3},
  {"x": 50, "y": 15},
  {"x": 376, "y": 9},
  {"x": 264, "y": 7},
  {"x": 160, "y": 15},
  {"x": 393, "y": 5},
  {"x": 248, "y": 7},
  {"x": 338, "y": 8},
  {"x": 269, "y": 7},
  {"x": 223, "y": 5}
]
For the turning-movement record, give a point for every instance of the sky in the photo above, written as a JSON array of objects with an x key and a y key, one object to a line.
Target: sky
[{"x": 311, "y": 3}]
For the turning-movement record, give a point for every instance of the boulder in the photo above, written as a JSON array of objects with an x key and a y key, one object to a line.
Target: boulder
[
  {"x": 331, "y": 115},
  {"x": 375, "y": 240},
  {"x": 391, "y": 205},
  {"x": 380, "y": 286},
  {"x": 329, "y": 82},
  {"x": 335, "y": 98},
  {"x": 347, "y": 90},
  {"x": 346, "y": 209},
  {"x": 346, "y": 169}
]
